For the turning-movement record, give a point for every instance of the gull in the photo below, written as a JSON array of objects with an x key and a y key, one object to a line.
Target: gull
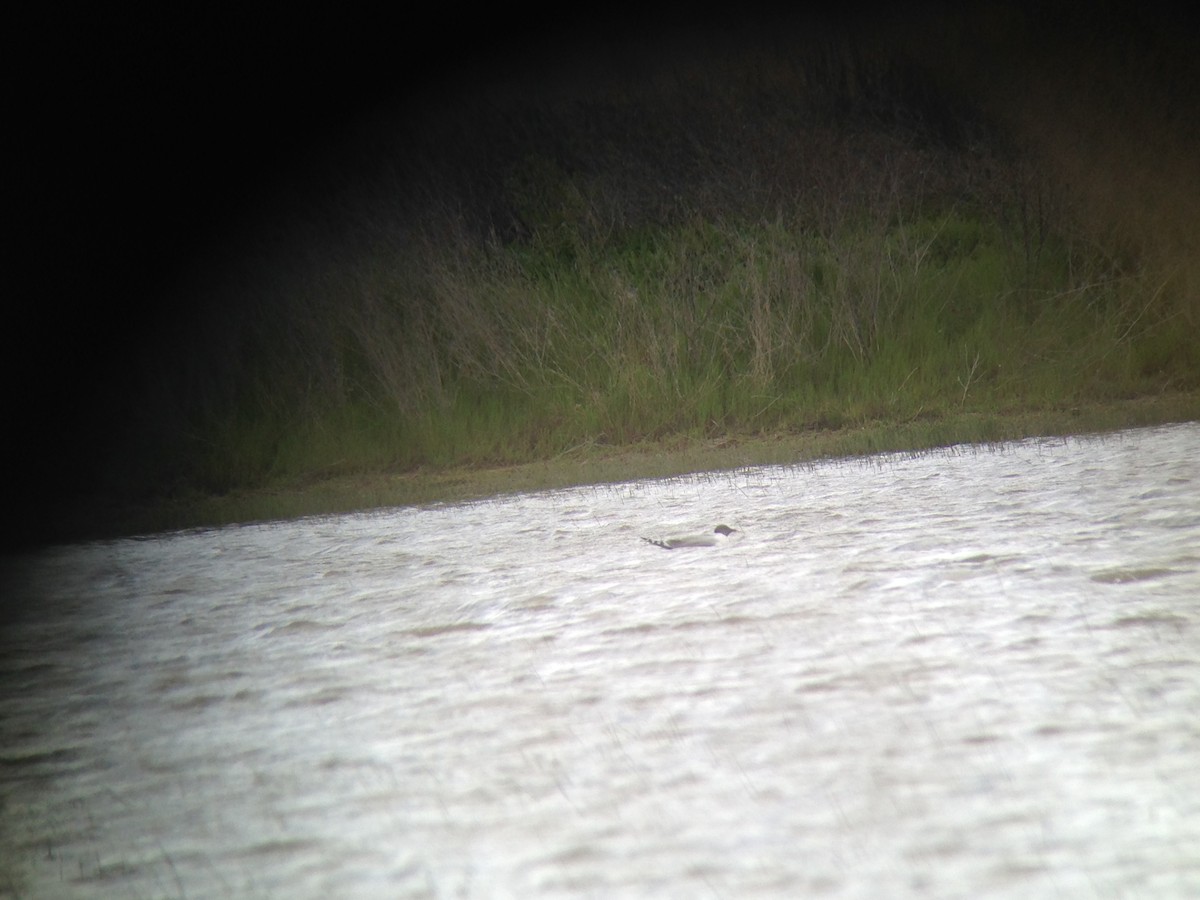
[{"x": 717, "y": 536}]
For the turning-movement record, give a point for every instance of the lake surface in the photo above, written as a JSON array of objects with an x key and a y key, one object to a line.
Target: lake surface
[{"x": 972, "y": 673}]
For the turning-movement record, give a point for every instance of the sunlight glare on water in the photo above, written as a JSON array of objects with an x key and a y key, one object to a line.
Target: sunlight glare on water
[{"x": 974, "y": 672}]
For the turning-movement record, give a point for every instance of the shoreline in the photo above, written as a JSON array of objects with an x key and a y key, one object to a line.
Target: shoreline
[{"x": 607, "y": 464}]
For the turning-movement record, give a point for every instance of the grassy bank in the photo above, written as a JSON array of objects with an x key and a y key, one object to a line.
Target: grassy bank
[
  {"x": 825, "y": 246},
  {"x": 596, "y": 464}
]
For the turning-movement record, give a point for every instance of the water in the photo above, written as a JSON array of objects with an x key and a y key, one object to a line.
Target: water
[{"x": 971, "y": 673}]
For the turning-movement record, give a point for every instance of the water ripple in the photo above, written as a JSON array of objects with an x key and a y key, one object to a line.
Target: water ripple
[{"x": 953, "y": 674}]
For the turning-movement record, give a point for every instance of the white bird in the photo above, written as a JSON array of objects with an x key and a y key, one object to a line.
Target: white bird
[{"x": 717, "y": 536}]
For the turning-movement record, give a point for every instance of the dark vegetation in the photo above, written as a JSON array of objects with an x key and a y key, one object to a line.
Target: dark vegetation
[{"x": 812, "y": 225}]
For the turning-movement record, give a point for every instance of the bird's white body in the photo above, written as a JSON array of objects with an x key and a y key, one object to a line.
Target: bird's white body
[{"x": 714, "y": 538}]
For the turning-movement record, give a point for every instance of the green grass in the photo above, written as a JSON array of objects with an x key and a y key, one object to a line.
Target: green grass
[{"x": 506, "y": 355}]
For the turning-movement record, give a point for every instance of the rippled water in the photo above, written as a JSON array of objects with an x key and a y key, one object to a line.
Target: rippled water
[{"x": 971, "y": 673}]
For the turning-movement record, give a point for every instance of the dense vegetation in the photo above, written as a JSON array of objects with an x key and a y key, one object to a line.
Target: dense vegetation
[{"x": 766, "y": 234}]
